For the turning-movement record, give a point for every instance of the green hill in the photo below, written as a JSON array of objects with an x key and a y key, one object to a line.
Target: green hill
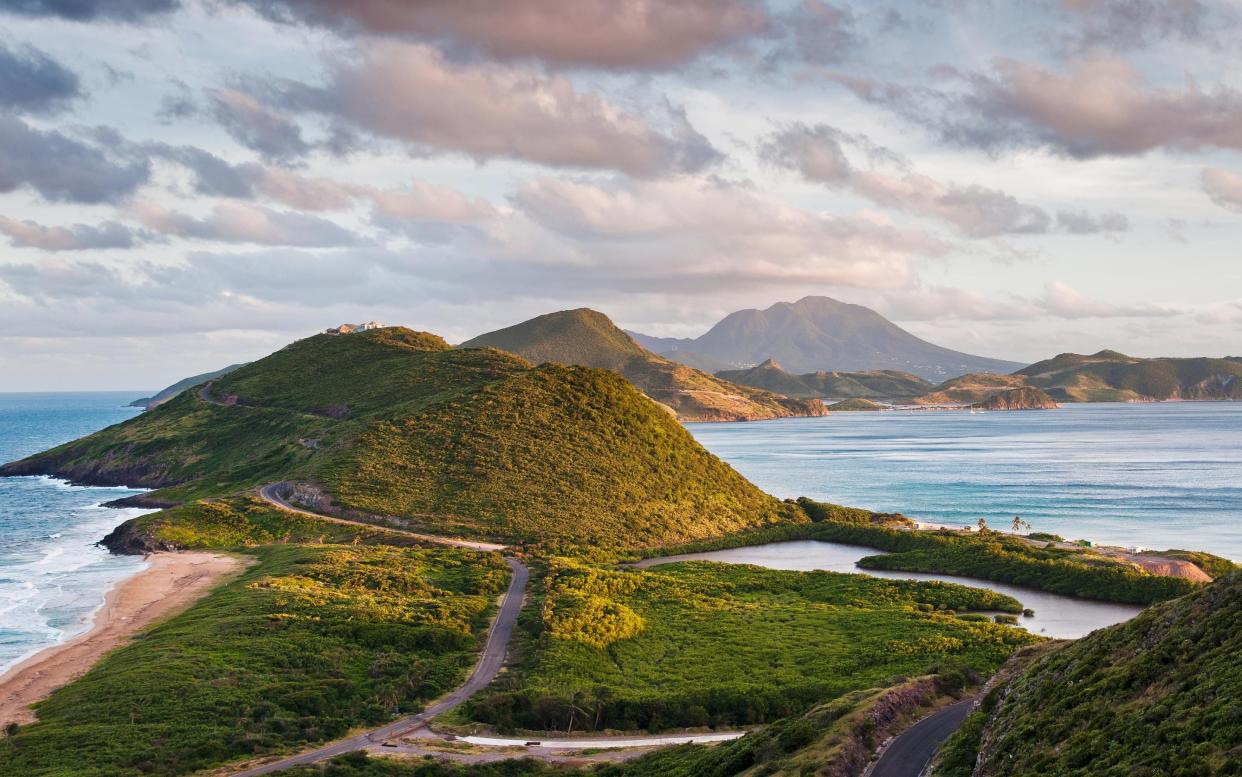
[
  {"x": 854, "y": 405},
  {"x": 194, "y": 380},
  {"x": 875, "y": 384},
  {"x": 587, "y": 338},
  {"x": 1157, "y": 695},
  {"x": 471, "y": 441},
  {"x": 1107, "y": 376}
]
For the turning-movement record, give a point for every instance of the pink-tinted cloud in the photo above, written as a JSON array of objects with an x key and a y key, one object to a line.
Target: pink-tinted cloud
[
  {"x": 694, "y": 227},
  {"x": 232, "y": 222},
  {"x": 413, "y": 94},
  {"x": 1224, "y": 187},
  {"x": 1098, "y": 106},
  {"x": 630, "y": 34},
  {"x": 818, "y": 154},
  {"x": 76, "y": 237}
]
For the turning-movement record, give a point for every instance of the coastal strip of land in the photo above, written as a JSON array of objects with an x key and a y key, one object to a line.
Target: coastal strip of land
[{"x": 170, "y": 583}]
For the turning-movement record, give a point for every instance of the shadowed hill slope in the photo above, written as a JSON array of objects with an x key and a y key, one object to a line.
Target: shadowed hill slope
[
  {"x": 1156, "y": 695},
  {"x": 587, "y": 338},
  {"x": 471, "y": 441}
]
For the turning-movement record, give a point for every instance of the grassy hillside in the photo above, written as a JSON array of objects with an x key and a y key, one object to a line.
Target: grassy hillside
[
  {"x": 699, "y": 644},
  {"x": 194, "y": 380},
  {"x": 587, "y": 338},
  {"x": 876, "y": 384},
  {"x": 458, "y": 440},
  {"x": 1107, "y": 376},
  {"x": 565, "y": 453},
  {"x": 1157, "y": 695},
  {"x": 308, "y": 643}
]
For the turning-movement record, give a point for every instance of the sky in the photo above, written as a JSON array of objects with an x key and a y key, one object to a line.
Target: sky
[{"x": 186, "y": 184}]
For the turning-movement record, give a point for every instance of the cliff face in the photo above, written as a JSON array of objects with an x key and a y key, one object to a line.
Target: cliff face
[{"x": 1025, "y": 398}]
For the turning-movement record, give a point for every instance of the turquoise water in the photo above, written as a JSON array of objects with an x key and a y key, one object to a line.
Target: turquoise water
[
  {"x": 52, "y": 577},
  {"x": 1163, "y": 475}
]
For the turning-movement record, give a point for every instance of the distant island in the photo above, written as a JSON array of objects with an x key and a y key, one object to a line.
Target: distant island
[{"x": 819, "y": 333}]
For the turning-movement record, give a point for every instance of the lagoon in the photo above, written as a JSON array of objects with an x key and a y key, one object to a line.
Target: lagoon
[{"x": 1060, "y": 617}]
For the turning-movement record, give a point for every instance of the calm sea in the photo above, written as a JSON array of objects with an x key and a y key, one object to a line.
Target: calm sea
[
  {"x": 1159, "y": 475},
  {"x": 52, "y": 577}
]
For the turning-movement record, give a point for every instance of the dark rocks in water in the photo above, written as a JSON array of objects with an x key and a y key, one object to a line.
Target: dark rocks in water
[{"x": 141, "y": 500}]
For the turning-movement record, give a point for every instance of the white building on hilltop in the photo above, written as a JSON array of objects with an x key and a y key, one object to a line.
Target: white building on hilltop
[{"x": 346, "y": 329}]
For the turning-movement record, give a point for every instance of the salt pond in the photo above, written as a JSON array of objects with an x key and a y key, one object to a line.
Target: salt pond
[{"x": 1062, "y": 617}]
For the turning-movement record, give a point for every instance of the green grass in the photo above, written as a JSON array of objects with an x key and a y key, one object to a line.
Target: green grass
[
  {"x": 833, "y": 738},
  {"x": 308, "y": 643},
  {"x": 469, "y": 441},
  {"x": 1157, "y": 695},
  {"x": 723, "y": 645},
  {"x": 247, "y": 522},
  {"x": 557, "y": 454}
]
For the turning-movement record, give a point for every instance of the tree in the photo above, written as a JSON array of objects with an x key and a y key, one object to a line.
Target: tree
[{"x": 983, "y": 525}]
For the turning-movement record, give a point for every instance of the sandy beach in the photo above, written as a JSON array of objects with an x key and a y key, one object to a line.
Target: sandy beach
[{"x": 171, "y": 582}]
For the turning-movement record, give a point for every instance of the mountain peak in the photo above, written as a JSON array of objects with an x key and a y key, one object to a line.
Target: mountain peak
[
  {"x": 821, "y": 333},
  {"x": 770, "y": 364}
]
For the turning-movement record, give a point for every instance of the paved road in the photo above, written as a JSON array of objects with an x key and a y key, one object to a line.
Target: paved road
[
  {"x": 912, "y": 750},
  {"x": 484, "y": 672},
  {"x": 271, "y": 494}
]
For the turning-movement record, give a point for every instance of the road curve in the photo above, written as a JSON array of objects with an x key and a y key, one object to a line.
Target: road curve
[
  {"x": 271, "y": 494},
  {"x": 484, "y": 672},
  {"x": 910, "y": 752}
]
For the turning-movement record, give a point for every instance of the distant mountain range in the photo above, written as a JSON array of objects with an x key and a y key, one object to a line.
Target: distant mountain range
[
  {"x": 819, "y": 333},
  {"x": 1107, "y": 376},
  {"x": 588, "y": 338}
]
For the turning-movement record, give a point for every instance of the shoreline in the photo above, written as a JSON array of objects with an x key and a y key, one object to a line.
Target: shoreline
[{"x": 170, "y": 583}]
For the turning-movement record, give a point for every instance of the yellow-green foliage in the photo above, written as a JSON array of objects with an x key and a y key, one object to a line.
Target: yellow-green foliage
[
  {"x": 562, "y": 453},
  {"x": 239, "y": 522},
  {"x": 579, "y": 604},
  {"x": 730, "y": 645}
]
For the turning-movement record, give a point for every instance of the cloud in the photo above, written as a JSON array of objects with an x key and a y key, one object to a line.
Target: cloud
[
  {"x": 62, "y": 168},
  {"x": 276, "y": 137},
  {"x": 1131, "y": 24},
  {"x": 622, "y": 34},
  {"x": 77, "y": 237},
  {"x": 701, "y": 231},
  {"x": 814, "y": 32},
  {"x": 413, "y": 94},
  {"x": 92, "y": 10},
  {"x": 242, "y": 223},
  {"x": 31, "y": 81},
  {"x": 1224, "y": 187},
  {"x": 1100, "y": 106},
  {"x": 818, "y": 154},
  {"x": 1062, "y": 301}
]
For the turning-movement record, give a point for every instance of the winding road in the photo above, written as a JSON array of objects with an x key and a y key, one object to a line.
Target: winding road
[
  {"x": 484, "y": 672},
  {"x": 910, "y": 752}
]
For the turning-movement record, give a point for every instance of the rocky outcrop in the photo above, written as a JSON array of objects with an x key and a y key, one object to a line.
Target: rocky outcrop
[
  {"x": 129, "y": 540},
  {"x": 1025, "y": 398}
]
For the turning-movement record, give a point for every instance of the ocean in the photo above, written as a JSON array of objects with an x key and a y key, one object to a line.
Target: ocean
[
  {"x": 1160, "y": 475},
  {"x": 52, "y": 576}
]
